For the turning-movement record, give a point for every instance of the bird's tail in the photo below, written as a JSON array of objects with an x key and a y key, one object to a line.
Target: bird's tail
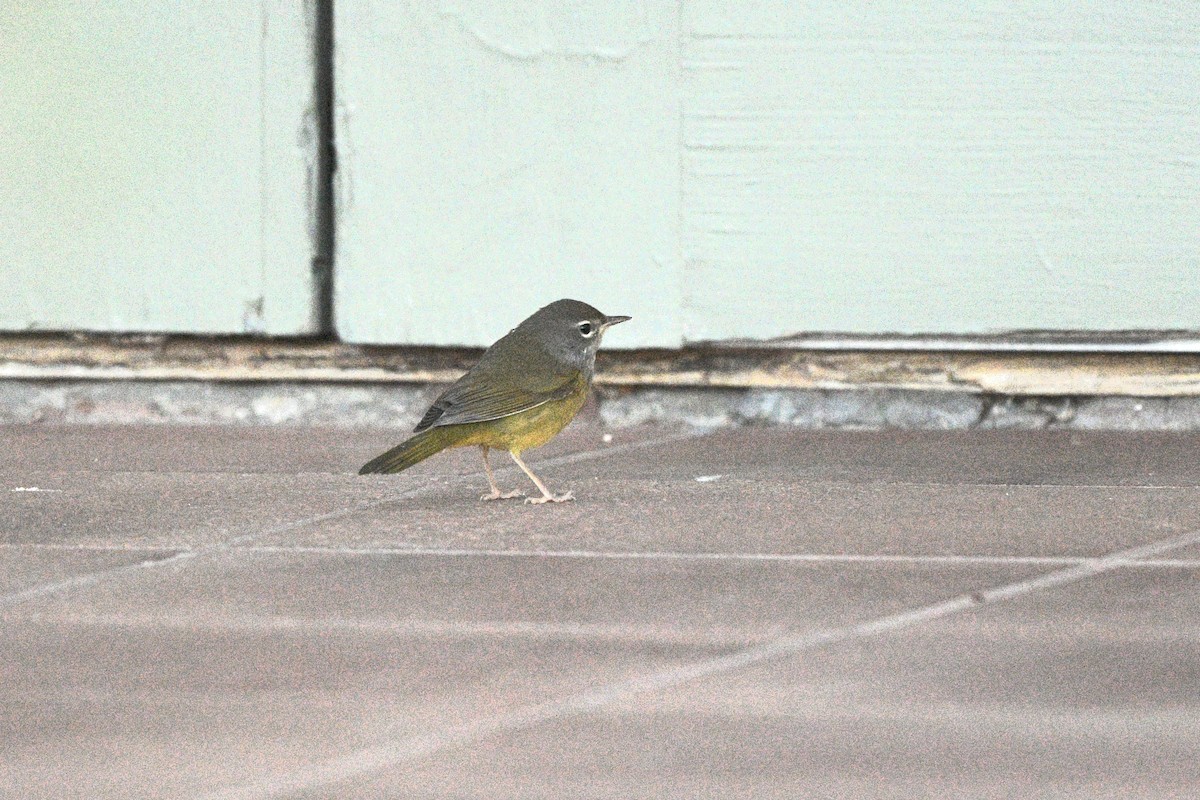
[{"x": 407, "y": 453}]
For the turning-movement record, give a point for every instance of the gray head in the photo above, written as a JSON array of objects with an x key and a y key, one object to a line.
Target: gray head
[{"x": 568, "y": 330}]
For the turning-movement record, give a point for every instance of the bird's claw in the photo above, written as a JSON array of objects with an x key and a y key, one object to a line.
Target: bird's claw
[
  {"x": 553, "y": 498},
  {"x": 497, "y": 495}
]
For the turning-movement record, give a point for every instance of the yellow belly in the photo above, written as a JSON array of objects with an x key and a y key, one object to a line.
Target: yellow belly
[{"x": 523, "y": 431}]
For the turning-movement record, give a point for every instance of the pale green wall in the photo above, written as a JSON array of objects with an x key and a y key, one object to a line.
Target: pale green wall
[
  {"x": 945, "y": 167},
  {"x": 716, "y": 169},
  {"x": 494, "y": 157},
  {"x": 153, "y": 166},
  {"x": 757, "y": 169}
]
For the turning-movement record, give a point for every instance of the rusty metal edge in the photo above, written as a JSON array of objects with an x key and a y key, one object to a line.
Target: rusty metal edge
[{"x": 56, "y": 357}]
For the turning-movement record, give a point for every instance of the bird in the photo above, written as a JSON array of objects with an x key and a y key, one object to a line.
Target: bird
[{"x": 524, "y": 389}]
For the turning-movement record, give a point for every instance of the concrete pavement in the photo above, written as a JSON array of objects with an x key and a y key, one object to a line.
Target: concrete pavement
[{"x": 758, "y": 612}]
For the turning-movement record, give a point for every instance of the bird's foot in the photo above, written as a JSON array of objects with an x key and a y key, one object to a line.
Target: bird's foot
[
  {"x": 496, "y": 494},
  {"x": 550, "y": 498}
]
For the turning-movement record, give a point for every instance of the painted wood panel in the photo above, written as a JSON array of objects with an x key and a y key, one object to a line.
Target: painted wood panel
[
  {"x": 939, "y": 167},
  {"x": 155, "y": 166},
  {"x": 494, "y": 157},
  {"x": 726, "y": 169}
]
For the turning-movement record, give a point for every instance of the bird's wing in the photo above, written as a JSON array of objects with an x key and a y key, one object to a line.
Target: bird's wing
[{"x": 476, "y": 399}]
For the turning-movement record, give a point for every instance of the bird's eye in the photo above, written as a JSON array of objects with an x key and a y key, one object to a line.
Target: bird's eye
[{"x": 587, "y": 329}]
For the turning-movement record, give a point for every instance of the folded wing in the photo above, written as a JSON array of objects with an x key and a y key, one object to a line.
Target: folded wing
[{"x": 476, "y": 398}]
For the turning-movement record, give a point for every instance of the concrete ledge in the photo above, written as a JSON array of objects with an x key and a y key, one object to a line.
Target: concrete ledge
[
  {"x": 880, "y": 409},
  {"x": 109, "y": 402},
  {"x": 742, "y": 366},
  {"x": 161, "y": 379}
]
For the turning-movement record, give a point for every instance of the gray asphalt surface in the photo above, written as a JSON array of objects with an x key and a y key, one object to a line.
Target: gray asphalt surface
[{"x": 759, "y": 613}]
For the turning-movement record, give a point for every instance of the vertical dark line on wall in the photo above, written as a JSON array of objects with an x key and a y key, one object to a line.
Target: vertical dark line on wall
[{"x": 326, "y": 223}]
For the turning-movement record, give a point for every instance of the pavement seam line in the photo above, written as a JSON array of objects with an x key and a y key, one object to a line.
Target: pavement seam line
[
  {"x": 708, "y": 636},
  {"x": 623, "y": 555},
  {"x": 179, "y": 558},
  {"x": 390, "y": 754},
  {"x": 670, "y": 555}
]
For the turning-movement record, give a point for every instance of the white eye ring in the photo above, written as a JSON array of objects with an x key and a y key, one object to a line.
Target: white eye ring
[{"x": 587, "y": 329}]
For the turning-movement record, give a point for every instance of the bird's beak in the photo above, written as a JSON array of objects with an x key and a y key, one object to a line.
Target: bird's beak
[{"x": 610, "y": 321}]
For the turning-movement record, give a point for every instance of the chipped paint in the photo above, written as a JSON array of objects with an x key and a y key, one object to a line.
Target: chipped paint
[
  {"x": 252, "y": 315},
  {"x": 598, "y": 29}
]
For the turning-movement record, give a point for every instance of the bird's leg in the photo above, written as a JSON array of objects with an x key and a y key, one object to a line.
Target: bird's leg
[
  {"x": 495, "y": 494},
  {"x": 546, "y": 497}
]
